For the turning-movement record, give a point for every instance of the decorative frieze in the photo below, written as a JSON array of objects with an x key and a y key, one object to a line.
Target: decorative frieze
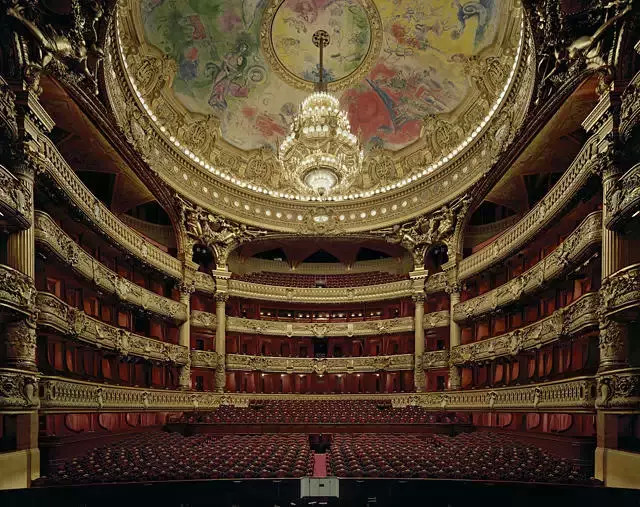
[
  {"x": 319, "y": 366},
  {"x": 17, "y": 291},
  {"x": 207, "y": 320},
  {"x": 16, "y": 200},
  {"x": 49, "y": 235},
  {"x": 205, "y": 359},
  {"x": 564, "y": 258},
  {"x": 621, "y": 293},
  {"x": 540, "y": 216},
  {"x": 436, "y": 283},
  {"x": 581, "y": 314},
  {"x": 572, "y": 395},
  {"x": 53, "y": 166},
  {"x": 577, "y": 394},
  {"x": 18, "y": 390},
  {"x": 623, "y": 198},
  {"x": 56, "y": 314},
  {"x": 619, "y": 390},
  {"x": 382, "y": 292},
  {"x": 435, "y": 360},
  {"x": 436, "y": 319}
]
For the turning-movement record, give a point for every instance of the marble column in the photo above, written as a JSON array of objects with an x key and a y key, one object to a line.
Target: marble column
[
  {"x": 418, "y": 326},
  {"x": 221, "y": 378},
  {"x": 454, "y": 337}
]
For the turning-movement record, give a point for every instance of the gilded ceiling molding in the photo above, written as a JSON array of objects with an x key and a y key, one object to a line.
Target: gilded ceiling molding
[
  {"x": 53, "y": 167},
  {"x": 564, "y": 396},
  {"x": 621, "y": 294},
  {"x": 573, "y": 250},
  {"x": 218, "y": 234},
  {"x": 262, "y": 210},
  {"x": 51, "y": 237},
  {"x": 56, "y": 315},
  {"x": 587, "y": 163},
  {"x": 418, "y": 235},
  {"x": 319, "y": 366},
  {"x": 565, "y": 322},
  {"x": 623, "y": 198}
]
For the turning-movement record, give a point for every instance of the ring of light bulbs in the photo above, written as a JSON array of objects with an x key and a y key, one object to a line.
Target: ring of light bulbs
[{"x": 298, "y": 197}]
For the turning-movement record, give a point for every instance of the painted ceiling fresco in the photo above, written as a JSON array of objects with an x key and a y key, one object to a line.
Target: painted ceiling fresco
[{"x": 251, "y": 62}]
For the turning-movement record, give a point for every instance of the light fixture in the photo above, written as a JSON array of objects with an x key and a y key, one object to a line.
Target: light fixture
[{"x": 320, "y": 150}]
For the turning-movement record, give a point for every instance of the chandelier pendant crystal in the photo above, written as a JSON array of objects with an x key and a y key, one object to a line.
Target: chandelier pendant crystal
[{"x": 320, "y": 150}]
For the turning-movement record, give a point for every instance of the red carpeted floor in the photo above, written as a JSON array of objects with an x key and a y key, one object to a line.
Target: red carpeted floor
[{"x": 320, "y": 465}]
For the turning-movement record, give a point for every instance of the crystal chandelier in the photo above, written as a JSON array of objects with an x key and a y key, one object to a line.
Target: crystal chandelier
[{"x": 320, "y": 151}]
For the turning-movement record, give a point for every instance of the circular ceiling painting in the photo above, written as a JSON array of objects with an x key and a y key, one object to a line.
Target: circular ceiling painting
[
  {"x": 391, "y": 63},
  {"x": 355, "y": 37}
]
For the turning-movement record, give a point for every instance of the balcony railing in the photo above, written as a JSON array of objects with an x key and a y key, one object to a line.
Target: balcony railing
[
  {"x": 65, "y": 395},
  {"x": 539, "y": 217},
  {"x": 578, "y": 245},
  {"x": 100, "y": 217},
  {"x": 57, "y": 315},
  {"x": 319, "y": 366},
  {"x": 578, "y": 316},
  {"x": 51, "y": 236}
]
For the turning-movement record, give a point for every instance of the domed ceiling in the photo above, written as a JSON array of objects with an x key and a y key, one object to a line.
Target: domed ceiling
[{"x": 416, "y": 78}]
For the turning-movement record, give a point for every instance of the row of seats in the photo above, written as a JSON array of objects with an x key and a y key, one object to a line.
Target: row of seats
[
  {"x": 329, "y": 281},
  {"x": 322, "y": 411},
  {"x": 159, "y": 456},
  {"x": 477, "y": 456}
]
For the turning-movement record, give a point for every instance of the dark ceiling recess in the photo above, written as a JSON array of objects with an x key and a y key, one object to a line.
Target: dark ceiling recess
[
  {"x": 150, "y": 212},
  {"x": 100, "y": 184},
  {"x": 321, "y": 256},
  {"x": 538, "y": 185},
  {"x": 277, "y": 254},
  {"x": 489, "y": 212},
  {"x": 368, "y": 254}
]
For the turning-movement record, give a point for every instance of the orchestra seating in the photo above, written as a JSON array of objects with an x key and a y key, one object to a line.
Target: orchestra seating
[
  {"x": 476, "y": 456},
  {"x": 324, "y": 412},
  {"x": 160, "y": 456},
  {"x": 328, "y": 281}
]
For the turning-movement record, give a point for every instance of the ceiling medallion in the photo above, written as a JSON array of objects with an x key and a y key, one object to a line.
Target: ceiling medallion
[
  {"x": 292, "y": 56},
  {"x": 320, "y": 150}
]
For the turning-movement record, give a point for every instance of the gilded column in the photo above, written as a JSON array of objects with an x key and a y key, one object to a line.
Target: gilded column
[
  {"x": 21, "y": 251},
  {"x": 418, "y": 326},
  {"x": 221, "y": 379},
  {"x": 614, "y": 244},
  {"x": 454, "y": 335},
  {"x": 184, "y": 337}
]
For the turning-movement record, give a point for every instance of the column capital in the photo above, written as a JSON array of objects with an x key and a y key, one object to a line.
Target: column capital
[
  {"x": 221, "y": 297},
  {"x": 419, "y": 297},
  {"x": 613, "y": 344}
]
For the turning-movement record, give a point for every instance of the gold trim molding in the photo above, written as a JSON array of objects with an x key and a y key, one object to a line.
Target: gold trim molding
[
  {"x": 319, "y": 366},
  {"x": 565, "y": 322},
  {"x": 564, "y": 258},
  {"x": 51, "y": 236},
  {"x": 53, "y": 165},
  {"x": 66, "y": 395},
  {"x": 57, "y": 315},
  {"x": 587, "y": 162}
]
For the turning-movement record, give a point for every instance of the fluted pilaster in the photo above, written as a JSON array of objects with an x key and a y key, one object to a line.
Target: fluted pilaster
[
  {"x": 184, "y": 338},
  {"x": 418, "y": 326},
  {"x": 221, "y": 336},
  {"x": 454, "y": 336},
  {"x": 614, "y": 245}
]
